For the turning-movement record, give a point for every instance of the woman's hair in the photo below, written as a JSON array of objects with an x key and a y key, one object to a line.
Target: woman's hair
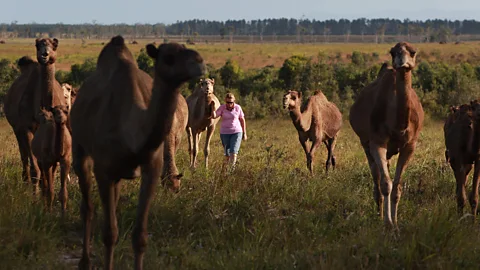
[{"x": 229, "y": 96}]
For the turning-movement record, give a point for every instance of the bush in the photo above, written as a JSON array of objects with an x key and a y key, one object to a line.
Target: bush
[{"x": 79, "y": 72}]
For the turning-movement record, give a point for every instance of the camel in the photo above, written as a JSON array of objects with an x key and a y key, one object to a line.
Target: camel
[
  {"x": 200, "y": 105},
  {"x": 319, "y": 120},
  {"x": 52, "y": 144},
  {"x": 20, "y": 114},
  {"x": 461, "y": 130},
  {"x": 119, "y": 123},
  {"x": 387, "y": 117}
]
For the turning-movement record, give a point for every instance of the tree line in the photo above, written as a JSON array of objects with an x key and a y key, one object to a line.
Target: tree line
[{"x": 431, "y": 30}]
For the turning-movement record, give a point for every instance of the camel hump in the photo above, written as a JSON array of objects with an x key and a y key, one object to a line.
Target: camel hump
[
  {"x": 25, "y": 61},
  {"x": 384, "y": 68},
  {"x": 118, "y": 41}
]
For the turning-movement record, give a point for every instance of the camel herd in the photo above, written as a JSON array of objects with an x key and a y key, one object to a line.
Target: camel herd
[{"x": 123, "y": 124}]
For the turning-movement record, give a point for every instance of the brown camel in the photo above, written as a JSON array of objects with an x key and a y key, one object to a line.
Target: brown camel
[
  {"x": 52, "y": 143},
  {"x": 387, "y": 117},
  {"x": 119, "y": 123},
  {"x": 200, "y": 105},
  {"x": 319, "y": 120},
  {"x": 461, "y": 132},
  {"x": 20, "y": 113}
]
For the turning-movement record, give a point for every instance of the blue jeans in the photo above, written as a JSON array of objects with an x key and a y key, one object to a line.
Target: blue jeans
[{"x": 231, "y": 142}]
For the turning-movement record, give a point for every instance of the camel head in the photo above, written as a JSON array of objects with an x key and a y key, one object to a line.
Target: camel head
[
  {"x": 292, "y": 99},
  {"x": 67, "y": 91},
  {"x": 46, "y": 50},
  {"x": 60, "y": 113},
  {"x": 44, "y": 116},
  {"x": 207, "y": 86},
  {"x": 403, "y": 56},
  {"x": 175, "y": 63}
]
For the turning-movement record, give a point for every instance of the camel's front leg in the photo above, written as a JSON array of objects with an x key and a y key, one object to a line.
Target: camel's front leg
[
  {"x": 196, "y": 141},
  {"x": 379, "y": 154},
  {"x": 404, "y": 157},
  {"x": 206, "y": 150},
  {"x": 303, "y": 142},
  {"x": 63, "y": 195},
  {"x": 311, "y": 155},
  {"x": 376, "y": 179},
  {"x": 108, "y": 195},
  {"x": 150, "y": 174},
  {"x": 330, "y": 144},
  {"x": 474, "y": 194},
  {"x": 190, "y": 145}
]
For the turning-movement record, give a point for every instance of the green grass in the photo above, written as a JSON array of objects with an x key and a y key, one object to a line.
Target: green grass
[{"x": 269, "y": 215}]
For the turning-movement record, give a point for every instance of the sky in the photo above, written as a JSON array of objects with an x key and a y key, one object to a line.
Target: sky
[{"x": 162, "y": 11}]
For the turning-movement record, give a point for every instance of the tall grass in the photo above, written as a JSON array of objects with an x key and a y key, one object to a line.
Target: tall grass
[{"x": 270, "y": 214}]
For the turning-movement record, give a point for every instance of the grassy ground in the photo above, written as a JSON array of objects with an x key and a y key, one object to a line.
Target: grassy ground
[
  {"x": 269, "y": 215},
  {"x": 248, "y": 56}
]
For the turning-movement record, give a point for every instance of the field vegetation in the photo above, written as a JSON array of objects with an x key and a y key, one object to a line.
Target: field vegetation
[{"x": 270, "y": 214}]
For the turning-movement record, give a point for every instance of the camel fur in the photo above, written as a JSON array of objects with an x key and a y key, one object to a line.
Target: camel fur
[
  {"x": 201, "y": 103},
  {"x": 387, "y": 117},
  {"x": 119, "y": 122},
  {"x": 319, "y": 120}
]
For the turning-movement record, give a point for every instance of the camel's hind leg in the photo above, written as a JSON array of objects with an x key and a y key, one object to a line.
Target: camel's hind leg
[
  {"x": 330, "y": 144},
  {"x": 473, "y": 198},
  {"x": 83, "y": 170},
  {"x": 376, "y": 179},
  {"x": 170, "y": 176},
  {"x": 64, "y": 180},
  {"x": 404, "y": 157},
  {"x": 461, "y": 172},
  {"x": 150, "y": 174},
  {"x": 206, "y": 150},
  {"x": 379, "y": 154},
  {"x": 311, "y": 154}
]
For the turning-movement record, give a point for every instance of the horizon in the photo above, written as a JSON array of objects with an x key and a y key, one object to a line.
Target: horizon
[{"x": 126, "y": 12}]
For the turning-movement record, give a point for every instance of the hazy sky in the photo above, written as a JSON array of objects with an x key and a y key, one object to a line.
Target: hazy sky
[{"x": 162, "y": 11}]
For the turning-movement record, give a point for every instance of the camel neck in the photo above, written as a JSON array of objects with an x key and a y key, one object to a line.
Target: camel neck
[
  {"x": 403, "y": 89},
  {"x": 47, "y": 80},
  {"x": 161, "y": 111},
  {"x": 301, "y": 120}
]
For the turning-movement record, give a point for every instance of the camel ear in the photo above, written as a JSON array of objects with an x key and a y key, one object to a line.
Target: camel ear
[
  {"x": 55, "y": 44},
  {"x": 37, "y": 41},
  {"x": 299, "y": 94},
  {"x": 201, "y": 80},
  {"x": 213, "y": 81},
  {"x": 152, "y": 51}
]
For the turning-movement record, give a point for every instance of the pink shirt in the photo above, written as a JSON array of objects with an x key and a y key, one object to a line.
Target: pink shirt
[{"x": 230, "y": 119}]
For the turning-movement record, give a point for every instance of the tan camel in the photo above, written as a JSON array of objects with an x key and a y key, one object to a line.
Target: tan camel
[
  {"x": 387, "y": 117},
  {"x": 52, "y": 143},
  {"x": 20, "y": 113},
  {"x": 119, "y": 123},
  {"x": 200, "y": 105},
  {"x": 319, "y": 120},
  {"x": 461, "y": 132}
]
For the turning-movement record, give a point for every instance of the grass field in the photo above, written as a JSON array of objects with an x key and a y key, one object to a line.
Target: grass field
[
  {"x": 269, "y": 215},
  {"x": 73, "y": 51}
]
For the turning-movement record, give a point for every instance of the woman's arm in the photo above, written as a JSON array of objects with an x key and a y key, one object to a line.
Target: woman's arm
[
  {"x": 215, "y": 114},
  {"x": 244, "y": 128}
]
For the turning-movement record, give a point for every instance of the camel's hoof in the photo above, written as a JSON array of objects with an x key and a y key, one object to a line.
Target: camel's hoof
[{"x": 84, "y": 264}]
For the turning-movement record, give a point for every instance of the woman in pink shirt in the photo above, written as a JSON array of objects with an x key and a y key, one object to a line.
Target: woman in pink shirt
[{"x": 232, "y": 129}]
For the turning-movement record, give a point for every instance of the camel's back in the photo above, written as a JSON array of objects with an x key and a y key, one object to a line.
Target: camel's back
[
  {"x": 328, "y": 113},
  {"x": 18, "y": 104}
]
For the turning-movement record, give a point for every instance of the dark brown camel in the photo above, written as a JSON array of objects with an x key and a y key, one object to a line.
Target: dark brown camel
[
  {"x": 387, "y": 117},
  {"x": 319, "y": 120},
  {"x": 52, "y": 143},
  {"x": 119, "y": 123},
  {"x": 462, "y": 142}
]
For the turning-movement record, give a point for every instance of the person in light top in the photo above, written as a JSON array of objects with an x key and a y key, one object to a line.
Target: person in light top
[{"x": 232, "y": 129}]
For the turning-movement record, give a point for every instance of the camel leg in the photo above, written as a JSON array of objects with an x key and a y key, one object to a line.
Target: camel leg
[
  {"x": 170, "y": 171},
  {"x": 311, "y": 155},
  {"x": 49, "y": 177},
  {"x": 330, "y": 144},
  {"x": 82, "y": 169},
  {"x": 376, "y": 179},
  {"x": 404, "y": 157},
  {"x": 307, "y": 154},
  {"x": 474, "y": 193},
  {"x": 190, "y": 145},
  {"x": 63, "y": 195},
  {"x": 379, "y": 154},
  {"x": 150, "y": 174},
  {"x": 22, "y": 140},
  {"x": 461, "y": 173},
  {"x": 206, "y": 150},
  {"x": 108, "y": 195},
  {"x": 35, "y": 172},
  {"x": 196, "y": 140}
]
